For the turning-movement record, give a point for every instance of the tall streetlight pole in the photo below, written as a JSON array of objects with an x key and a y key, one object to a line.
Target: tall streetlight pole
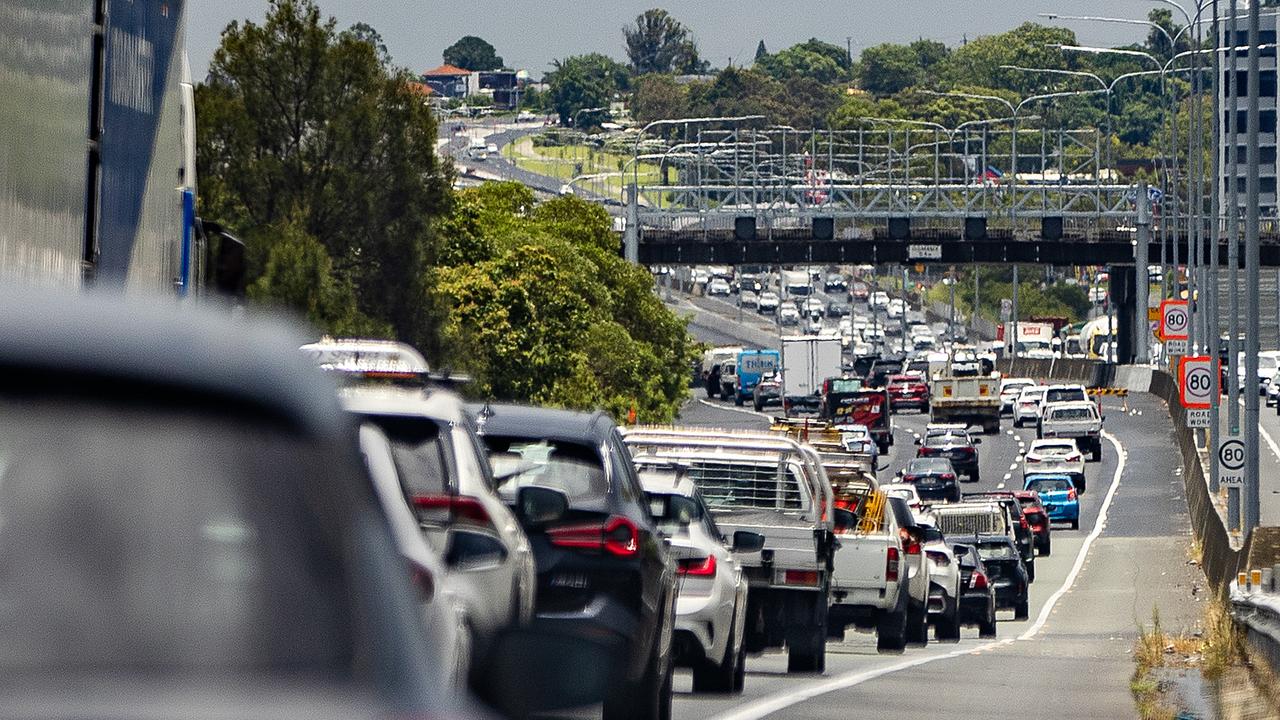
[
  {"x": 1252, "y": 188},
  {"x": 1233, "y": 232}
]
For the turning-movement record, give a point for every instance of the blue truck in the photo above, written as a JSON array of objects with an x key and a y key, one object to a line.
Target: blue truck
[{"x": 739, "y": 378}]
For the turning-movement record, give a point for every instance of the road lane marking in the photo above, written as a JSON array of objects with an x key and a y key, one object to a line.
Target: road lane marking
[
  {"x": 1081, "y": 557},
  {"x": 730, "y": 408},
  {"x": 770, "y": 704}
]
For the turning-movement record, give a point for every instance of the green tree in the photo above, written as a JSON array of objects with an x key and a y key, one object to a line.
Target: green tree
[
  {"x": 305, "y": 124},
  {"x": 658, "y": 43},
  {"x": 473, "y": 53},
  {"x": 800, "y": 62},
  {"x": 887, "y": 69},
  {"x": 585, "y": 81},
  {"x": 658, "y": 97},
  {"x": 1028, "y": 45}
]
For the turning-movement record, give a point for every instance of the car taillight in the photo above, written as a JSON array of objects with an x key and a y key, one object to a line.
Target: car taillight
[
  {"x": 948, "y": 476},
  {"x": 1033, "y": 460},
  {"x": 808, "y": 578},
  {"x": 701, "y": 567},
  {"x": 1071, "y": 494},
  {"x": 616, "y": 536},
  {"x": 891, "y": 565},
  {"x": 1023, "y": 521},
  {"x": 463, "y": 509},
  {"x": 926, "y": 452},
  {"x": 913, "y": 548},
  {"x": 1073, "y": 458},
  {"x": 938, "y": 558},
  {"x": 977, "y": 581}
]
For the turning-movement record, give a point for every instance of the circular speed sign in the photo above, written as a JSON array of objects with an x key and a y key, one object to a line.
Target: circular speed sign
[
  {"x": 1174, "y": 319},
  {"x": 1197, "y": 381},
  {"x": 1231, "y": 455}
]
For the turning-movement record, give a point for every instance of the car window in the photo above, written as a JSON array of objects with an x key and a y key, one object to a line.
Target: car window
[
  {"x": 996, "y": 551},
  {"x": 572, "y": 468},
  {"x": 1076, "y": 413},
  {"x": 1064, "y": 395},
  {"x": 417, "y": 447},
  {"x": 1043, "y": 485},
  {"x": 158, "y": 537}
]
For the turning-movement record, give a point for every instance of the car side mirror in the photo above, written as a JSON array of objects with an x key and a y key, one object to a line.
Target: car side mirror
[
  {"x": 747, "y": 541},
  {"x": 845, "y": 520},
  {"x": 977, "y": 441},
  {"x": 540, "y": 505},
  {"x": 918, "y": 441}
]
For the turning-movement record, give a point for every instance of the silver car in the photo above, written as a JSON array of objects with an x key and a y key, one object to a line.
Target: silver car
[
  {"x": 711, "y": 608},
  {"x": 445, "y": 479}
]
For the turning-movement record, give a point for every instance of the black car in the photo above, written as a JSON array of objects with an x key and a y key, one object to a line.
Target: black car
[
  {"x": 977, "y": 593},
  {"x": 1006, "y": 572},
  {"x": 835, "y": 283},
  {"x": 836, "y": 309},
  {"x": 1022, "y": 530},
  {"x": 604, "y": 570},
  {"x": 882, "y": 368},
  {"x": 957, "y": 447},
  {"x": 934, "y": 478}
]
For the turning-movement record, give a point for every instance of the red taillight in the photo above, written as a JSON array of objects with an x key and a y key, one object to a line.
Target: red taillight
[
  {"x": 1033, "y": 460},
  {"x": 977, "y": 581},
  {"x": 940, "y": 559},
  {"x": 1024, "y": 523},
  {"x": 849, "y": 505},
  {"x": 807, "y": 578},
  {"x": 701, "y": 567},
  {"x": 913, "y": 548},
  {"x": 464, "y": 509},
  {"x": 948, "y": 476},
  {"x": 1071, "y": 494},
  {"x": 617, "y": 536},
  {"x": 891, "y": 565}
]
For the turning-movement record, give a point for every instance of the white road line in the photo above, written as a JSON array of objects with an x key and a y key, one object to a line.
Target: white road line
[
  {"x": 1000, "y": 486},
  {"x": 770, "y": 704},
  {"x": 1014, "y": 466},
  {"x": 1007, "y": 476},
  {"x": 1098, "y": 526},
  {"x": 729, "y": 408}
]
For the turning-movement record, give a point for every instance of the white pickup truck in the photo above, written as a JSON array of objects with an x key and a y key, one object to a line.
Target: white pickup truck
[
  {"x": 774, "y": 486},
  {"x": 1078, "y": 420},
  {"x": 880, "y": 581}
]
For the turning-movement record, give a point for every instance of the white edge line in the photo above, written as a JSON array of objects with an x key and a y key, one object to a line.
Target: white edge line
[
  {"x": 1098, "y": 525},
  {"x": 773, "y": 703},
  {"x": 729, "y": 408}
]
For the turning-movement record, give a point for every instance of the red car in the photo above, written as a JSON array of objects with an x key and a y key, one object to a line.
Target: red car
[
  {"x": 1037, "y": 518},
  {"x": 908, "y": 391}
]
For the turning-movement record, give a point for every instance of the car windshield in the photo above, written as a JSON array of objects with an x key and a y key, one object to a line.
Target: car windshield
[
  {"x": 929, "y": 465},
  {"x": 945, "y": 439},
  {"x": 1047, "y": 485},
  {"x": 1054, "y": 449},
  {"x": 1075, "y": 413},
  {"x": 159, "y": 537},
  {"x": 572, "y": 468},
  {"x": 846, "y": 385},
  {"x": 997, "y": 551},
  {"x": 1064, "y": 395}
]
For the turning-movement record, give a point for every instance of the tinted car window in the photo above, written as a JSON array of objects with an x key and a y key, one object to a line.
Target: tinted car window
[
  {"x": 945, "y": 440},
  {"x": 1064, "y": 395},
  {"x": 148, "y": 537},
  {"x": 1080, "y": 413},
  {"x": 417, "y": 447}
]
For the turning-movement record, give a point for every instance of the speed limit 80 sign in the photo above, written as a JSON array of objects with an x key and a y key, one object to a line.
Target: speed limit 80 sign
[
  {"x": 1196, "y": 381},
  {"x": 1174, "y": 320}
]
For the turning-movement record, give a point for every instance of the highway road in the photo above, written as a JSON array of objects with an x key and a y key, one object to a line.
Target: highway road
[{"x": 1072, "y": 658}]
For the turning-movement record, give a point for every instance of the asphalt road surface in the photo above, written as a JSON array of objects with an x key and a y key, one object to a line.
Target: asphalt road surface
[{"x": 1071, "y": 658}]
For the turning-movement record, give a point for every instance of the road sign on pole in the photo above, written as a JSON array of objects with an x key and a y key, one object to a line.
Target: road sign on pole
[
  {"x": 1174, "y": 320},
  {"x": 1231, "y": 462},
  {"x": 1196, "y": 381}
]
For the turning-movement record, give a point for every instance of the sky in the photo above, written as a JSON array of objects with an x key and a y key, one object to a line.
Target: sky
[{"x": 530, "y": 34}]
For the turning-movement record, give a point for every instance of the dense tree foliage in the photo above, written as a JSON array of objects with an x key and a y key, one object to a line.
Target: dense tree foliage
[
  {"x": 658, "y": 43},
  {"x": 323, "y": 157},
  {"x": 583, "y": 82},
  {"x": 543, "y": 309},
  {"x": 473, "y": 53}
]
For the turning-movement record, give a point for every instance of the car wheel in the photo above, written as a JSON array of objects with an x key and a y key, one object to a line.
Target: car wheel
[
  {"x": 917, "y": 626},
  {"x": 955, "y": 494},
  {"x": 1046, "y": 548},
  {"x": 1017, "y": 423},
  {"x": 1075, "y": 524},
  {"x": 975, "y": 476},
  {"x": 949, "y": 624},
  {"x": 739, "y": 400},
  {"x": 987, "y": 629},
  {"x": 1021, "y": 612},
  {"x": 721, "y": 677},
  {"x": 648, "y": 699},
  {"x": 891, "y": 631},
  {"x": 1031, "y": 571},
  {"x": 807, "y": 649}
]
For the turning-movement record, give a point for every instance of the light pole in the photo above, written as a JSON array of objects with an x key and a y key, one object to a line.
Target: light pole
[{"x": 1252, "y": 188}]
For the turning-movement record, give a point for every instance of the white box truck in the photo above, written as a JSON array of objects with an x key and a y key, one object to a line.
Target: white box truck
[{"x": 807, "y": 361}]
